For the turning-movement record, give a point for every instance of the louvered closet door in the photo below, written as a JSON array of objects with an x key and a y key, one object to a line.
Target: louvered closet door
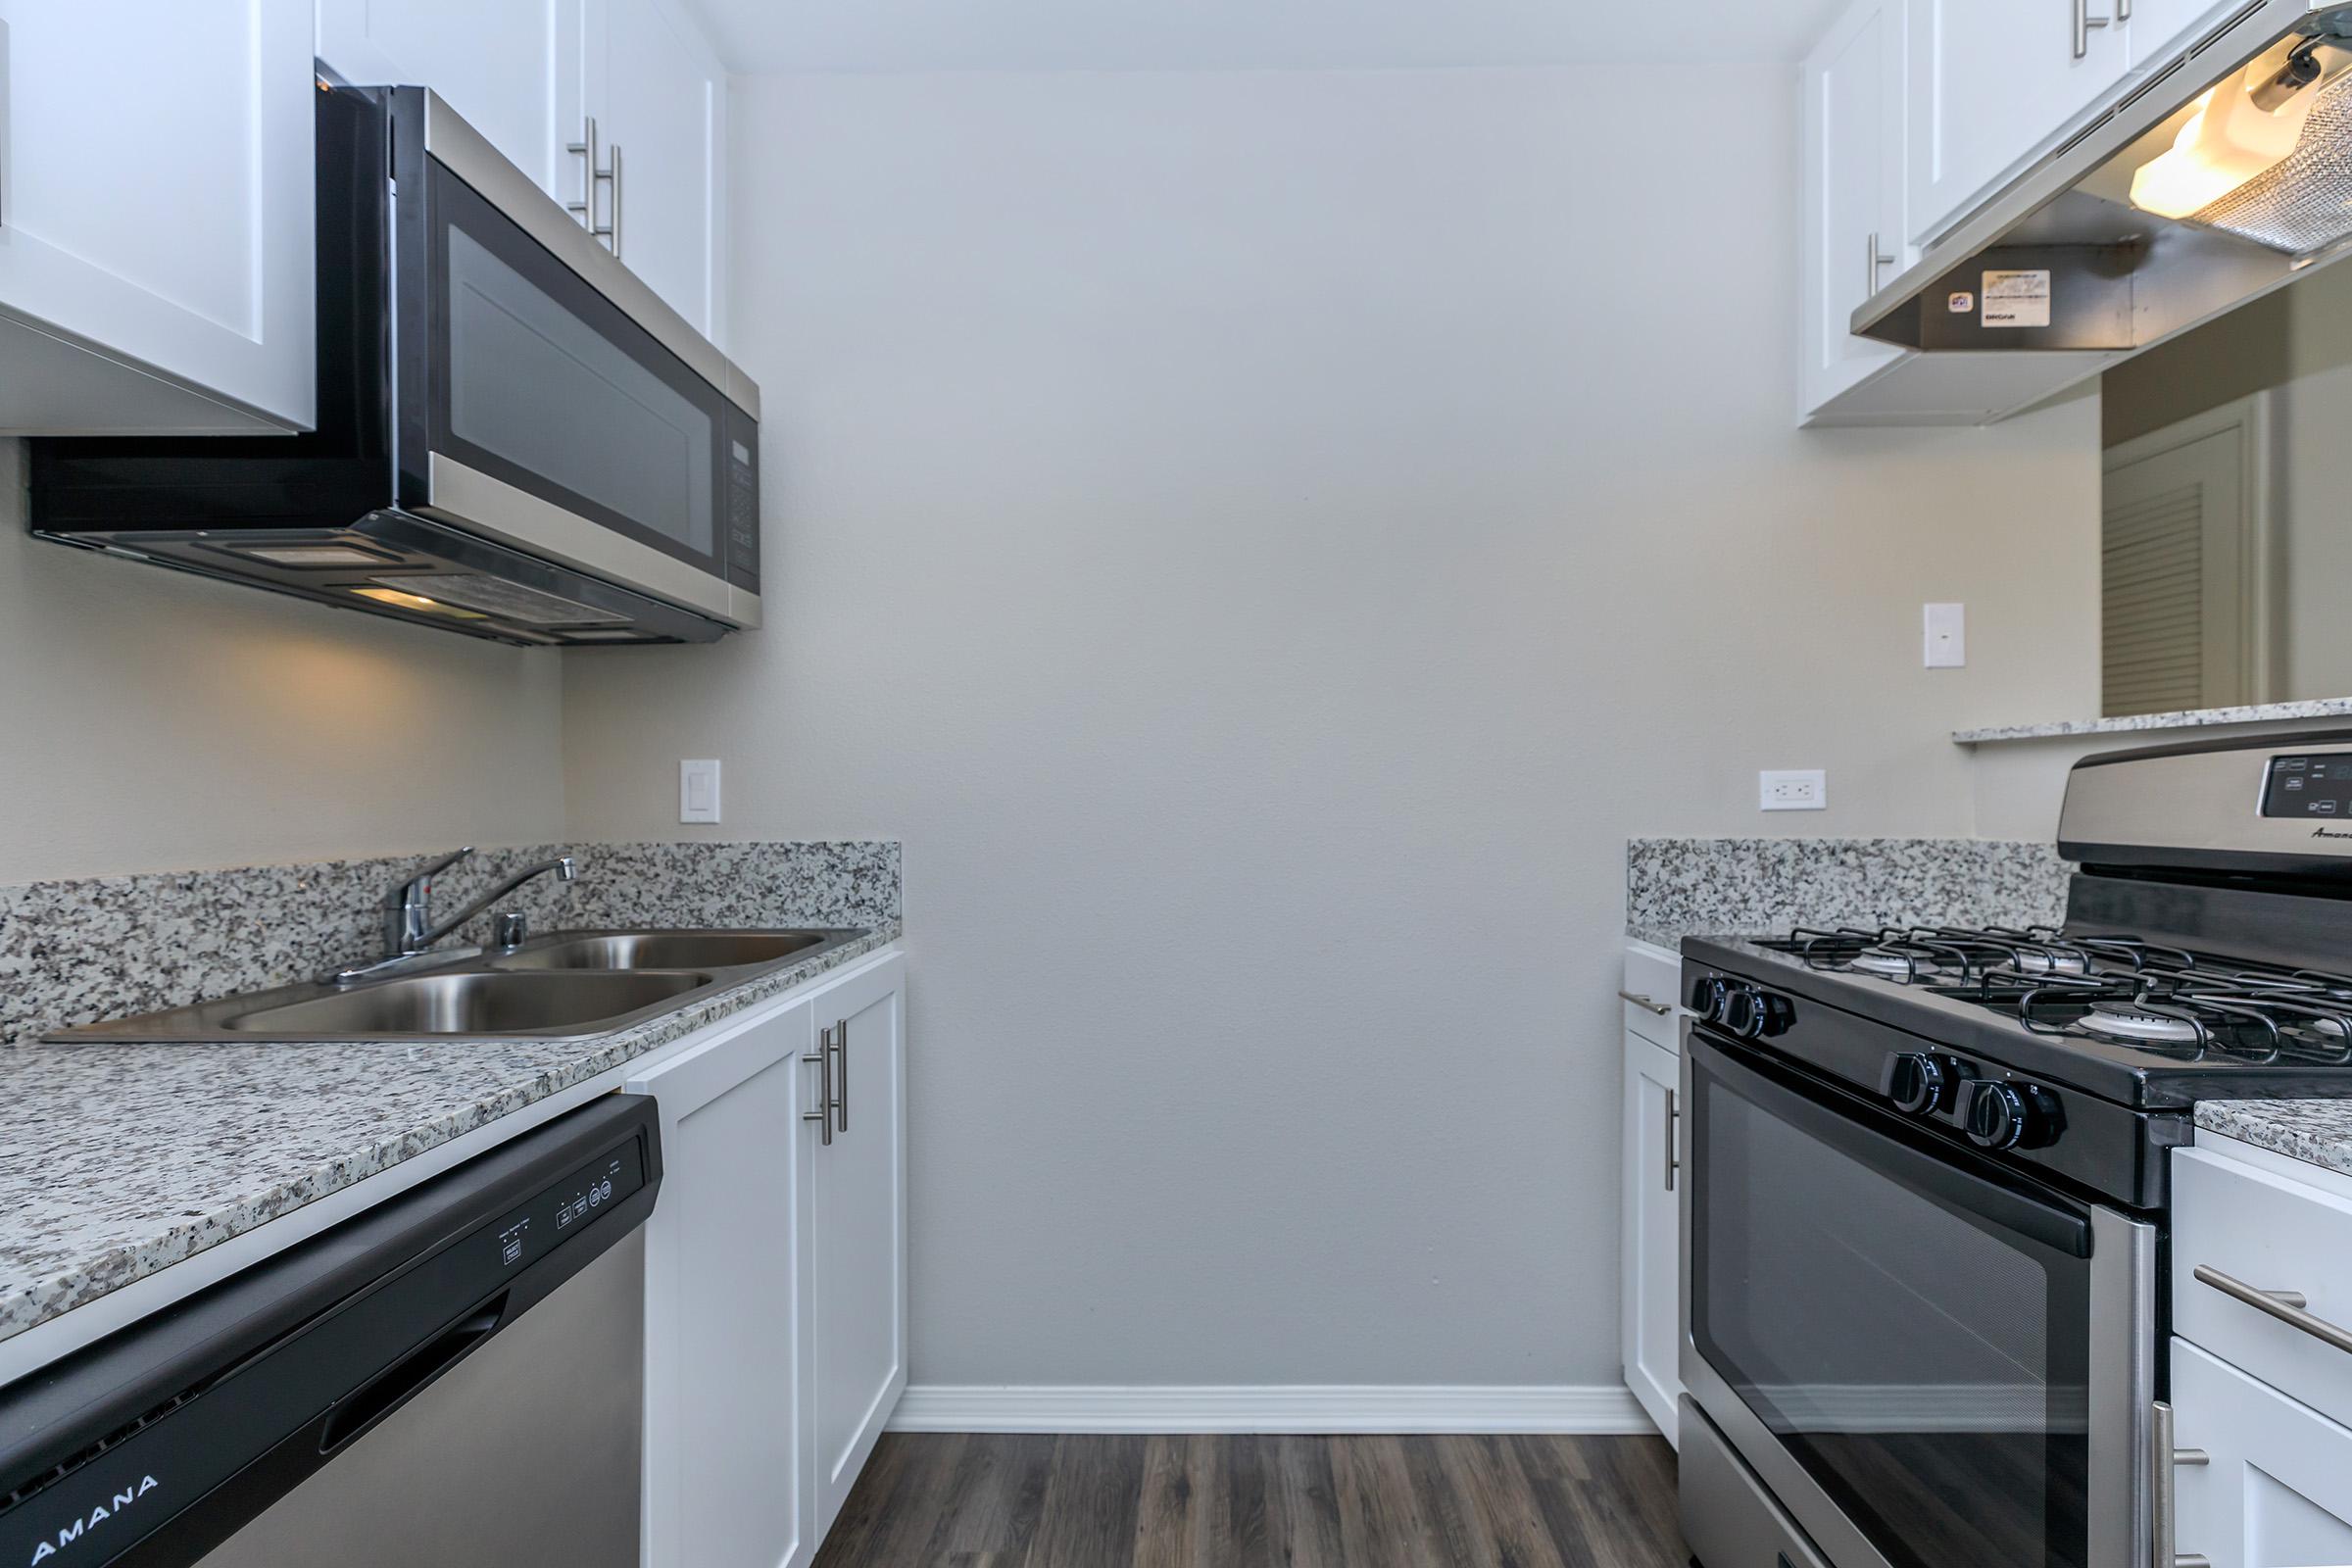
[{"x": 2174, "y": 580}]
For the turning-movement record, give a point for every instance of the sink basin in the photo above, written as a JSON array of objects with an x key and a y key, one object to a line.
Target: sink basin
[
  {"x": 663, "y": 949},
  {"x": 563, "y": 986},
  {"x": 471, "y": 1003}
]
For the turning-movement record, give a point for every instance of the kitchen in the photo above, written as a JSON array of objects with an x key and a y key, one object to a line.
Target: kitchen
[{"x": 1274, "y": 556}]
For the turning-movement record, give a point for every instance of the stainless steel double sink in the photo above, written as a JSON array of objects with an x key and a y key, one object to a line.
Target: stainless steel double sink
[{"x": 569, "y": 985}]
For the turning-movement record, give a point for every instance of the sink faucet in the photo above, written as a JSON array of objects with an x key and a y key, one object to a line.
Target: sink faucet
[{"x": 410, "y": 931}]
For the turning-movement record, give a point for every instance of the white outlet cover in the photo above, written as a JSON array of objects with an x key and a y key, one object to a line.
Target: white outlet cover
[
  {"x": 1793, "y": 790},
  {"x": 698, "y": 790}
]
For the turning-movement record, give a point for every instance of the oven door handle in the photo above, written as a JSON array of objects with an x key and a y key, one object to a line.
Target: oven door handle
[{"x": 1853, "y": 1126}]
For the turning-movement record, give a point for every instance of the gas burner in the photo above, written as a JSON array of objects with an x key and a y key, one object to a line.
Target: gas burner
[
  {"x": 2134, "y": 1024},
  {"x": 1893, "y": 964},
  {"x": 2044, "y": 961}
]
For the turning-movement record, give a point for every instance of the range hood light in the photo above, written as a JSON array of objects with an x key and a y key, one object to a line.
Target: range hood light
[
  {"x": 2229, "y": 140},
  {"x": 408, "y": 600}
]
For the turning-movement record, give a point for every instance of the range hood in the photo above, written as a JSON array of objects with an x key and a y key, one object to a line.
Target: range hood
[{"x": 2222, "y": 174}]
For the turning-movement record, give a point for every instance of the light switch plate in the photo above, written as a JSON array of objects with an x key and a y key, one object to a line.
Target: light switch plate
[
  {"x": 698, "y": 790},
  {"x": 1947, "y": 636},
  {"x": 1793, "y": 790}
]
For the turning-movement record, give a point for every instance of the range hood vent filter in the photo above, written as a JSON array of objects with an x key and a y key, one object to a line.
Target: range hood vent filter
[{"x": 2304, "y": 204}]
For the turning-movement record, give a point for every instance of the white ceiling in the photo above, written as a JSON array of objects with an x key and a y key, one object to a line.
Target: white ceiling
[{"x": 764, "y": 35}]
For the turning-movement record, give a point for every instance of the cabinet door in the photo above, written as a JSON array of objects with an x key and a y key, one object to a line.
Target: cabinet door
[
  {"x": 1650, "y": 1297},
  {"x": 1853, "y": 196},
  {"x": 512, "y": 69},
  {"x": 2161, "y": 29},
  {"x": 156, "y": 208},
  {"x": 1991, "y": 83},
  {"x": 857, "y": 1256},
  {"x": 2277, "y": 1489},
  {"x": 729, "y": 1478},
  {"x": 661, "y": 105}
]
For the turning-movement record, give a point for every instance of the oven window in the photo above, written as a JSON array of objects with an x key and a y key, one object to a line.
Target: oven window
[
  {"x": 542, "y": 383},
  {"x": 1922, "y": 1357}
]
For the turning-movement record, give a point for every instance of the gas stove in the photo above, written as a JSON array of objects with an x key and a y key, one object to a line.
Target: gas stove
[
  {"x": 2206, "y": 953},
  {"x": 1925, "y": 1193}
]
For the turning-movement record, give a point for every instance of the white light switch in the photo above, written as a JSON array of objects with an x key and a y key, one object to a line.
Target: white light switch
[
  {"x": 1947, "y": 636},
  {"x": 698, "y": 790}
]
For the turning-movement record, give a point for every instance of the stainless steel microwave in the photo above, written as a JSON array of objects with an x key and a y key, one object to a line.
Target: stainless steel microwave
[{"x": 517, "y": 438}]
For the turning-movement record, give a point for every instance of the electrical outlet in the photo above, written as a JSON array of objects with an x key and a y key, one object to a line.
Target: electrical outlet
[
  {"x": 1793, "y": 790},
  {"x": 1947, "y": 636},
  {"x": 698, "y": 790}
]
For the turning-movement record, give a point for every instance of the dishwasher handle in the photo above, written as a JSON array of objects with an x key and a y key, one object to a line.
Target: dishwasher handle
[{"x": 357, "y": 1412}]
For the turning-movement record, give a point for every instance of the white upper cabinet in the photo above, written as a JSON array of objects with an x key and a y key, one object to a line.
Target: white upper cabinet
[
  {"x": 1991, "y": 82},
  {"x": 514, "y": 71},
  {"x": 554, "y": 84},
  {"x": 2160, "y": 28},
  {"x": 1853, "y": 193},
  {"x": 660, "y": 106},
  {"x": 156, "y": 217}
]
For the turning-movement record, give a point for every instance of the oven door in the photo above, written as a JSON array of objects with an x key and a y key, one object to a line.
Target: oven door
[
  {"x": 1931, "y": 1360},
  {"x": 546, "y": 398}
]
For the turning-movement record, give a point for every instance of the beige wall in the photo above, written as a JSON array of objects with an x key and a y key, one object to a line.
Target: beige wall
[
  {"x": 156, "y": 721},
  {"x": 1264, "y": 542}
]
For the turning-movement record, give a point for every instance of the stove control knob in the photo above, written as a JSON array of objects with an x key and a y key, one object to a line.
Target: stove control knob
[
  {"x": 1918, "y": 1084},
  {"x": 1999, "y": 1116},
  {"x": 1742, "y": 1012},
  {"x": 1710, "y": 993}
]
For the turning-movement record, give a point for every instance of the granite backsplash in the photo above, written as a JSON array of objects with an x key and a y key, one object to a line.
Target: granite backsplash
[
  {"x": 75, "y": 952},
  {"x": 1677, "y": 887}
]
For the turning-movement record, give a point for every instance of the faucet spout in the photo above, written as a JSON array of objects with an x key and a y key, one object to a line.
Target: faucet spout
[{"x": 561, "y": 865}]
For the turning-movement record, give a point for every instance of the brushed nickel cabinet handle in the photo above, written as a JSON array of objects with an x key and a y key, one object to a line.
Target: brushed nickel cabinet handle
[
  {"x": 595, "y": 171},
  {"x": 822, "y": 1115},
  {"x": 841, "y": 1082},
  {"x": 2084, "y": 23},
  {"x": 1673, "y": 1156},
  {"x": 1645, "y": 1005},
  {"x": 618, "y": 189},
  {"x": 1876, "y": 258},
  {"x": 2287, "y": 1306},
  {"x": 2166, "y": 1459}
]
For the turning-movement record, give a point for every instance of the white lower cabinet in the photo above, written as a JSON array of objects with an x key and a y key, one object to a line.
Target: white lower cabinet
[
  {"x": 1649, "y": 1215},
  {"x": 857, "y": 1243},
  {"x": 2276, "y": 1489},
  {"x": 1649, "y": 1305},
  {"x": 775, "y": 1273}
]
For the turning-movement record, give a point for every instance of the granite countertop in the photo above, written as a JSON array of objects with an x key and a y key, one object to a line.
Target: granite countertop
[
  {"x": 2315, "y": 1130},
  {"x": 2186, "y": 718},
  {"x": 121, "y": 1160}
]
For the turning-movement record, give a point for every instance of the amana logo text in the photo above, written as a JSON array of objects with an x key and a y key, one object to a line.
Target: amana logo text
[
  {"x": 70, "y": 1535},
  {"x": 2328, "y": 833}
]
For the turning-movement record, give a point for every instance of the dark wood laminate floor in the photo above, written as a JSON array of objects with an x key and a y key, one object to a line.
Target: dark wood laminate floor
[{"x": 975, "y": 1501}]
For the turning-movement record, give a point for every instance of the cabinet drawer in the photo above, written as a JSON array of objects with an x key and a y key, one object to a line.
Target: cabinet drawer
[
  {"x": 1656, "y": 977},
  {"x": 2274, "y": 1233},
  {"x": 2276, "y": 1484}
]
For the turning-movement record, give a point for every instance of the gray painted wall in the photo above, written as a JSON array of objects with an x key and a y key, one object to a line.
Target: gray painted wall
[
  {"x": 155, "y": 722},
  {"x": 1264, "y": 542}
]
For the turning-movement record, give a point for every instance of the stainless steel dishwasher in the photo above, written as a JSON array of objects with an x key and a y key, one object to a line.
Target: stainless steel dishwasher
[{"x": 454, "y": 1377}]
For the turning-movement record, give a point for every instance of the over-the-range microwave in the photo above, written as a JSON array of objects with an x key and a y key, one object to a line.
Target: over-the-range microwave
[{"x": 517, "y": 439}]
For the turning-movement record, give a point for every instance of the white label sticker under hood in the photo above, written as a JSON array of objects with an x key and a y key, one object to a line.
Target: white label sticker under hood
[{"x": 2017, "y": 299}]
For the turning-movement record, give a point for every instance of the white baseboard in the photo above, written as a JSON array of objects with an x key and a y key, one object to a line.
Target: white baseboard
[{"x": 1407, "y": 1409}]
